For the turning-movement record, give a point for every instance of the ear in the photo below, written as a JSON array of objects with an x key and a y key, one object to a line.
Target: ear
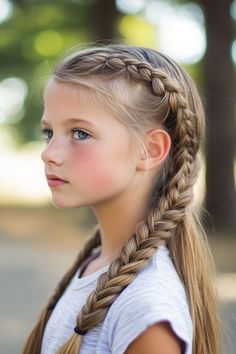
[{"x": 158, "y": 143}]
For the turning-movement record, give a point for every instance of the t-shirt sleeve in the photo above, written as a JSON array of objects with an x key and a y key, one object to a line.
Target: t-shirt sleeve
[{"x": 131, "y": 317}]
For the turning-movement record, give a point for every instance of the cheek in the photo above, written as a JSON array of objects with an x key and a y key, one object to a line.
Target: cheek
[{"x": 97, "y": 169}]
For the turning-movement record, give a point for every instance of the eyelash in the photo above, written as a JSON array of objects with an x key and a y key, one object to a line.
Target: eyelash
[{"x": 45, "y": 131}]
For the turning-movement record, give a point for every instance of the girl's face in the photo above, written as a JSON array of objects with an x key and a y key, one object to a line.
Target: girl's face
[{"x": 86, "y": 146}]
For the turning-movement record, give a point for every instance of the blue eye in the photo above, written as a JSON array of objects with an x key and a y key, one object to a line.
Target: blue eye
[
  {"x": 47, "y": 134},
  {"x": 82, "y": 135}
]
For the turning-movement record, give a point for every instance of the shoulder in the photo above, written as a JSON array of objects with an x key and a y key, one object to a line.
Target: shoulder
[
  {"x": 156, "y": 339},
  {"x": 155, "y": 288},
  {"x": 155, "y": 296}
]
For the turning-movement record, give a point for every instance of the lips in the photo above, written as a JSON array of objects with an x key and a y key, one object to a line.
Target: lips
[
  {"x": 55, "y": 181},
  {"x": 54, "y": 177}
]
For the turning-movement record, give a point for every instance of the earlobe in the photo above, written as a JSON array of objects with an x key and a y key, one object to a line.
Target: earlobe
[{"x": 158, "y": 143}]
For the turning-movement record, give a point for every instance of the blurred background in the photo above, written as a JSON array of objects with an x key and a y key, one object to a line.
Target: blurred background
[{"x": 39, "y": 242}]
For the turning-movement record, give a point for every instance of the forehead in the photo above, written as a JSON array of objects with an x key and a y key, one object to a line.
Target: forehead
[
  {"x": 65, "y": 90},
  {"x": 63, "y": 101},
  {"x": 68, "y": 98}
]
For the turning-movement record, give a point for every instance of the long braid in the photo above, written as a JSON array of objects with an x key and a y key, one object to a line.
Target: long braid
[{"x": 171, "y": 207}]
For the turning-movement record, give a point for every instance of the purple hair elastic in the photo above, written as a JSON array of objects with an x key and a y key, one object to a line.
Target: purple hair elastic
[{"x": 80, "y": 331}]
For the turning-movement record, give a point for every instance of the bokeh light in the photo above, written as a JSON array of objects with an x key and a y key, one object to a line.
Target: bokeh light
[
  {"x": 13, "y": 92},
  {"x": 233, "y": 51},
  {"x": 233, "y": 10},
  {"x": 48, "y": 43},
  {"x": 5, "y": 10},
  {"x": 181, "y": 31},
  {"x": 130, "y": 6},
  {"x": 137, "y": 31}
]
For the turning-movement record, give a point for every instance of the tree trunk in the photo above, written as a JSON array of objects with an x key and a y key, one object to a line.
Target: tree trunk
[
  {"x": 219, "y": 75},
  {"x": 103, "y": 21}
]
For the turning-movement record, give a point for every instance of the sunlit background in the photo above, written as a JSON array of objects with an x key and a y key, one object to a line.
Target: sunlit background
[{"x": 27, "y": 219}]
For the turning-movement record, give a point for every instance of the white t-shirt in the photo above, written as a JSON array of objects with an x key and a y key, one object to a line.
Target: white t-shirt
[{"x": 156, "y": 294}]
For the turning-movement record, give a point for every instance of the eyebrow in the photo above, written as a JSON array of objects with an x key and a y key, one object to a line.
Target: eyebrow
[{"x": 70, "y": 120}]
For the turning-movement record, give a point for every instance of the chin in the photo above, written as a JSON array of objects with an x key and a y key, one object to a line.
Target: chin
[{"x": 66, "y": 204}]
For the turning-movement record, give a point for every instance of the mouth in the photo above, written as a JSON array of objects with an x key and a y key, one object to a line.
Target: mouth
[{"x": 55, "y": 181}]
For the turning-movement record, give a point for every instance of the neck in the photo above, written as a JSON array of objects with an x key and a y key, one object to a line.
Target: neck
[{"x": 118, "y": 218}]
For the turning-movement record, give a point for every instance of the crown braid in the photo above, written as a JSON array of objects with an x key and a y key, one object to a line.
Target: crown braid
[{"x": 170, "y": 208}]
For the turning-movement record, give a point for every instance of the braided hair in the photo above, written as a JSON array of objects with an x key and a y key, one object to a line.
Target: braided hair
[{"x": 172, "y": 98}]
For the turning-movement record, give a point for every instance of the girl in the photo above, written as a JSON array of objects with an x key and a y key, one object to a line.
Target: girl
[{"x": 124, "y": 127}]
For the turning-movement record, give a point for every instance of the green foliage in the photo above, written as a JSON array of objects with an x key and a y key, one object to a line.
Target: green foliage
[{"x": 30, "y": 42}]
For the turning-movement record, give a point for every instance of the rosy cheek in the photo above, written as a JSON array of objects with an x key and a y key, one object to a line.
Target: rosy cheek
[{"x": 93, "y": 169}]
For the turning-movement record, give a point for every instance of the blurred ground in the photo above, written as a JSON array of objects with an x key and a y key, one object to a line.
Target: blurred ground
[{"x": 38, "y": 245}]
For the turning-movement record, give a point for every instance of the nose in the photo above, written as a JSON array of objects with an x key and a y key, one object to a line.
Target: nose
[{"x": 52, "y": 153}]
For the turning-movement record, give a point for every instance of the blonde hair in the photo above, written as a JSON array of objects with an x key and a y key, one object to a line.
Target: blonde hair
[{"x": 145, "y": 88}]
